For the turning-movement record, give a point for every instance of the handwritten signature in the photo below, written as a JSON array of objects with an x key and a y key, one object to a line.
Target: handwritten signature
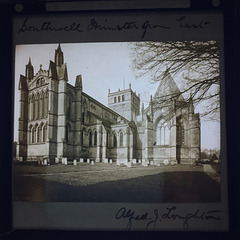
[
  {"x": 144, "y": 28},
  {"x": 168, "y": 214}
]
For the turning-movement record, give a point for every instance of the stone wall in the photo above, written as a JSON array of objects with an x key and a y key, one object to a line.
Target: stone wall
[{"x": 37, "y": 150}]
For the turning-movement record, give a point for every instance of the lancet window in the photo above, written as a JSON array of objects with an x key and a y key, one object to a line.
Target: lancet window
[
  {"x": 33, "y": 135},
  {"x": 107, "y": 139},
  {"x": 95, "y": 138},
  {"x": 44, "y": 133},
  {"x": 81, "y": 138},
  {"x": 114, "y": 140},
  {"x": 90, "y": 138},
  {"x": 45, "y": 105},
  {"x": 68, "y": 133},
  {"x": 37, "y": 133},
  {"x": 121, "y": 139},
  {"x": 162, "y": 133},
  {"x": 38, "y": 106}
]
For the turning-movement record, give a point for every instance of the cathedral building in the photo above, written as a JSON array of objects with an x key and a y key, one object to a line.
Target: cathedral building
[{"x": 59, "y": 120}]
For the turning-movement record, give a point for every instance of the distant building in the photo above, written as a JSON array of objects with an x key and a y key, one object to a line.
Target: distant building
[{"x": 60, "y": 120}]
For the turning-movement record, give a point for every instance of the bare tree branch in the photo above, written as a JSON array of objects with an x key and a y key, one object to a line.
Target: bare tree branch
[{"x": 199, "y": 61}]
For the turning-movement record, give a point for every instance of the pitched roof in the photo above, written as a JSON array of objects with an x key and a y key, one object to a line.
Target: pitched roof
[{"x": 168, "y": 87}]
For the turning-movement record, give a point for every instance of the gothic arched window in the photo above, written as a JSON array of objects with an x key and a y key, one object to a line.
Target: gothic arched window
[
  {"x": 36, "y": 108},
  {"x": 114, "y": 140},
  {"x": 33, "y": 108},
  {"x": 122, "y": 97},
  {"x": 40, "y": 106},
  {"x": 115, "y": 99},
  {"x": 38, "y": 134},
  {"x": 45, "y": 107},
  {"x": 119, "y": 99},
  {"x": 81, "y": 137},
  {"x": 41, "y": 133},
  {"x": 162, "y": 133},
  {"x": 44, "y": 133},
  {"x": 30, "y": 134},
  {"x": 90, "y": 138},
  {"x": 30, "y": 109},
  {"x": 34, "y": 134},
  {"x": 42, "y": 109},
  {"x": 121, "y": 139},
  {"x": 107, "y": 139},
  {"x": 95, "y": 138},
  {"x": 68, "y": 133}
]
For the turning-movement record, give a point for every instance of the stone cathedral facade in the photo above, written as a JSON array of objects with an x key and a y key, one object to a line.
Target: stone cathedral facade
[{"x": 59, "y": 120}]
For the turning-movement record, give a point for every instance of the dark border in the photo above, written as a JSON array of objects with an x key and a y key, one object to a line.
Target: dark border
[
  {"x": 231, "y": 10},
  {"x": 232, "y": 88},
  {"x": 6, "y": 106}
]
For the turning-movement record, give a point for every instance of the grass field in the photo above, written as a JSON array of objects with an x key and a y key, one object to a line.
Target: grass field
[{"x": 111, "y": 183}]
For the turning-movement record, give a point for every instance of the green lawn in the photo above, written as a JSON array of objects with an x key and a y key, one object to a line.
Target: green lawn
[{"x": 110, "y": 183}]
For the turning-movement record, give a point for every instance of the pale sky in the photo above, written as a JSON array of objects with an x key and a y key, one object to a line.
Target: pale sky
[{"x": 102, "y": 66}]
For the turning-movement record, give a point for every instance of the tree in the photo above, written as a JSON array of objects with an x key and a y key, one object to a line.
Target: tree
[
  {"x": 214, "y": 157},
  {"x": 204, "y": 155},
  {"x": 194, "y": 64}
]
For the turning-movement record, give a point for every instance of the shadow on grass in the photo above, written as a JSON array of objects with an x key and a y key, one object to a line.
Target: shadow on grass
[{"x": 177, "y": 187}]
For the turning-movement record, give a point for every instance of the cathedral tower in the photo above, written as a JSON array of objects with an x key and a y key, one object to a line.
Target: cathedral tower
[
  {"x": 61, "y": 105},
  {"x": 125, "y": 102}
]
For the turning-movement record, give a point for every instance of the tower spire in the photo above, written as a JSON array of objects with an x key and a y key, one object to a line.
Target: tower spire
[
  {"x": 29, "y": 72},
  {"x": 59, "y": 56}
]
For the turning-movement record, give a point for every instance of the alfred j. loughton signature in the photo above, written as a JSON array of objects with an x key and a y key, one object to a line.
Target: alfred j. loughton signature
[
  {"x": 107, "y": 25},
  {"x": 152, "y": 220}
]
